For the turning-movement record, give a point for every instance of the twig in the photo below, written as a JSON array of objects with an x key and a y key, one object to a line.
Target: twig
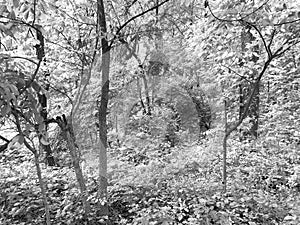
[
  {"x": 33, "y": 77},
  {"x": 287, "y": 22},
  {"x": 4, "y": 139},
  {"x": 241, "y": 76},
  {"x": 260, "y": 35},
  {"x": 21, "y": 57},
  {"x": 135, "y": 17}
]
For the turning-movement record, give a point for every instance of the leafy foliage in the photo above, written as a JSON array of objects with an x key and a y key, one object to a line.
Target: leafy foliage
[{"x": 172, "y": 67}]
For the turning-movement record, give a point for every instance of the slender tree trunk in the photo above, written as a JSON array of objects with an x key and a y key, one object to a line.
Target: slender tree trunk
[
  {"x": 38, "y": 170},
  {"x": 224, "y": 173},
  {"x": 42, "y": 186},
  {"x": 245, "y": 90},
  {"x": 46, "y": 148},
  {"x": 203, "y": 111},
  {"x": 67, "y": 129},
  {"x": 148, "y": 102},
  {"x": 102, "y": 108},
  {"x": 78, "y": 171},
  {"x": 255, "y": 114},
  {"x": 139, "y": 89}
]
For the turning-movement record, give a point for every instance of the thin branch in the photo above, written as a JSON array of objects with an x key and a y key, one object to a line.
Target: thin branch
[
  {"x": 34, "y": 12},
  {"x": 241, "y": 76},
  {"x": 271, "y": 40},
  {"x": 135, "y": 17},
  {"x": 68, "y": 49},
  {"x": 83, "y": 84},
  {"x": 237, "y": 19},
  {"x": 21, "y": 57},
  {"x": 17, "y": 112},
  {"x": 73, "y": 18},
  {"x": 287, "y": 22},
  {"x": 115, "y": 12},
  {"x": 132, "y": 3},
  {"x": 242, "y": 21},
  {"x": 281, "y": 51},
  {"x": 247, "y": 106},
  {"x": 33, "y": 77},
  {"x": 18, "y": 124},
  {"x": 21, "y": 22},
  {"x": 218, "y": 18},
  {"x": 260, "y": 35},
  {"x": 4, "y": 139},
  {"x": 5, "y": 48},
  {"x": 256, "y": 10},
  {"x": 61, "y": 92},
  {"x": 277, "y": 53},
  {"x": 80, "y": 93},
  {"x": 177, "y": 27}
]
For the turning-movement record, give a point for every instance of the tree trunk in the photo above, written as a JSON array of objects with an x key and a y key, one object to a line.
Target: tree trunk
[
  {"x": 226, "y": 135},
  {"x": 67, "y": 129},
  {"x": 146, "y": 92},
  {"x": 139, "y": 89},
  {"x": 203, "y": 111},
  {"x": 46, "y": 148},
  {"x": 102, "y": 107},
  {"x": 245, "y": 88},
  {"x": 42, "y": 186}
]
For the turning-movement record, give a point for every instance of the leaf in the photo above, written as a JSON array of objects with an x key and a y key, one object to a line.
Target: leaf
[
  {"x": 12, "y": 14},
  {"x": 36, "y": 86},
  {"x": 16, "y": 3},
  {"x": 14, "y": 89},
  {"x": 27, "y": 128},
  {"x": 21, "y": 139},
  {"x": 13, "y": 142},
  {"x": 38, "y": 118},
  {"x": 26, "y": 14},
  {"x": 20, "y": 83},
  {"x": 7, "y": 29},
  {"x": 7, "y": 93},
  {"x": 42, "y": 127},
  {"x": 5, "y": 110},
  {"x": 44, "y": 141},
  {"x": 266, "y": 22},
  {"x": 85, "y": 19},
  {"x": 3, "y": 10}
]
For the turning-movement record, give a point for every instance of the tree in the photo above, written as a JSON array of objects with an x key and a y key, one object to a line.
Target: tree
[
  {"x": 273, "y": 49},
  {"x": 102, "y": 108}
]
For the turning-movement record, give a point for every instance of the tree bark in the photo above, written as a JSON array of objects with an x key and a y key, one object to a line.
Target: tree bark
[
  {"x": 224, "y": 172},
  {"x": 46, "y": 148},
  {"x": 102, "y": 107},
  {"x": 42, "y": 186},
  {"x": 67, "y": 129},
  {"x": 78, "y": 171}
]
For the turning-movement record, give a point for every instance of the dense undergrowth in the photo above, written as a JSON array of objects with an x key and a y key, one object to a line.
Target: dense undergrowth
[{"x": 182, "y": 186}]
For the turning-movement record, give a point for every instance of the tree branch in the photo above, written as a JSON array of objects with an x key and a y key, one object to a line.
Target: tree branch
[
  {"x": 33, "y": 77},
  {"x": 241, "y": 76},
  {"x": 135, "y": 17},
  {"x": 287, "y": 22},
  {"x": 260, "y": 35},
  {"x": 247, "y": 106},
  {"x": 4, "y": 139},
  {"x": 21, "y": 57}
]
